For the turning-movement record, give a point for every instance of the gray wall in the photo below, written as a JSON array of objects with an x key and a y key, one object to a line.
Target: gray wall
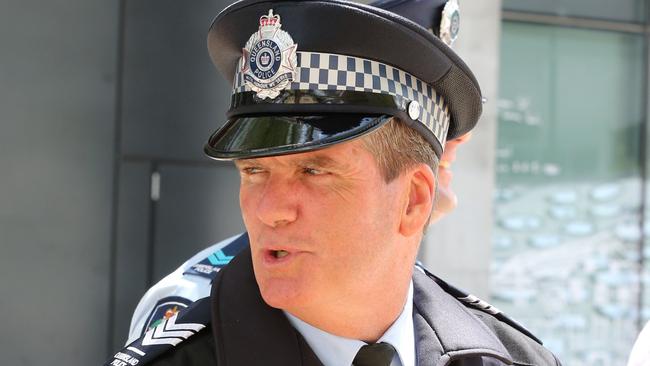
[
  {"x": 97, "y": 96},
  {"x": 57, "y": 133}
]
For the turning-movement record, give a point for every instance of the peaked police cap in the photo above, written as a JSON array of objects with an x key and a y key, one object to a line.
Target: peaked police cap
[{"x": 309, "y": 74}]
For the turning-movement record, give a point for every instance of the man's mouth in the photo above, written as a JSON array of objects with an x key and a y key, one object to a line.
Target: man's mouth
[{"x": 277, "y": 256}]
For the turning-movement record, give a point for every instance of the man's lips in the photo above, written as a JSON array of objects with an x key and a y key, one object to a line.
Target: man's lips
[{"x": 276, "y": 255}]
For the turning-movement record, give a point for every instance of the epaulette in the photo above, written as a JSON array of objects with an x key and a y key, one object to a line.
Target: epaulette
[
  {"x": 209, "y": 267},
  {"x": 472, "y": 301},
  {"x": 166, "y": 335}
]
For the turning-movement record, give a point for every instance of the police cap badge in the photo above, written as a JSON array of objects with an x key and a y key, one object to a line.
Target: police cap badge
[
  {"x": 334, "y": 70},
  {"x": 268, "y": 63}
]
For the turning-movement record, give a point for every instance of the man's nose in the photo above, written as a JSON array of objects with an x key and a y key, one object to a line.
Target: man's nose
[{"x": 278, "y": 204}]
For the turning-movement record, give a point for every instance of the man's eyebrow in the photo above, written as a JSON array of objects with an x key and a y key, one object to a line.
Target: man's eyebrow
[
  {"x": 321, "y": 161},
  {"x": 240, "y": 162}
]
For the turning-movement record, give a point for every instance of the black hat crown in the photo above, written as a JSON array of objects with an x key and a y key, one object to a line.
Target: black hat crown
[{"x": 335, "y": 70}]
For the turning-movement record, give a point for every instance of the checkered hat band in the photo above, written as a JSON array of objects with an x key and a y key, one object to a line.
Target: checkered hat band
[{"x": 326, "y": 71}]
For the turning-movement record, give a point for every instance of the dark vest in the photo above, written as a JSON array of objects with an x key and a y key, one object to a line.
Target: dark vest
[{"x": 235, "y": 327}]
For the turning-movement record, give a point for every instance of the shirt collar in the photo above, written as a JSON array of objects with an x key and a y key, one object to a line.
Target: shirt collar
[
  {"x": 401, "y": 334},
  {"x": 333, "y": 350}
]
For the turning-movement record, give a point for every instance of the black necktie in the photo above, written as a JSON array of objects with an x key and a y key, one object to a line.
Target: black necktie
[{"x": 376, "y": 354}]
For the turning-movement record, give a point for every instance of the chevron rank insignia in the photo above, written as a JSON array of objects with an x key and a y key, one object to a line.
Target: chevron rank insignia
[
  {"x": 166, "y": 335},
  {"x": 210, "y": 266},
  {"x": 165, "y": 309}
]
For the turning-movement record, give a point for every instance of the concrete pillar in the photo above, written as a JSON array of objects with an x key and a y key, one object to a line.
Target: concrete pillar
[{"x": 458, "y": 247}]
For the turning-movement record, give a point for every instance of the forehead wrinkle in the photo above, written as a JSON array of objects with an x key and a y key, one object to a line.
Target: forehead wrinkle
[
  {"x": 320, "y": 159},
  {"x": 240, "y": 162}
]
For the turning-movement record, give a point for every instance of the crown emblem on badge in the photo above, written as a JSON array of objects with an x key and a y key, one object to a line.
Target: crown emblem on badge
[
  {"x": 269, "y": 59},
  {"x": 270, "y": 20}
]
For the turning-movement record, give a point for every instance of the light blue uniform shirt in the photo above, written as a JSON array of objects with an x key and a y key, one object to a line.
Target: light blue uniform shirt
[{"x": 333, "y": 350}]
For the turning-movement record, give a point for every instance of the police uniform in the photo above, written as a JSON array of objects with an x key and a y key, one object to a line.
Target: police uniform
[
  {"x": 188, "y": 283},
  {"x": 192, "y": 280},
  {"x": 307, "y": 75}
]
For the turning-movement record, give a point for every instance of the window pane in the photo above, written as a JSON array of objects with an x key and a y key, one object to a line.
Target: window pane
[
  {"x": 618, "y": 10},
  {"x": 567, "y": 205}
]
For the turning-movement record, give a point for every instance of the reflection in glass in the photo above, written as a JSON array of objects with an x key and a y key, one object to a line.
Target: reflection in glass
[
  {"x": 618, "y": 10},
  {"x": 567, "y": 206}
]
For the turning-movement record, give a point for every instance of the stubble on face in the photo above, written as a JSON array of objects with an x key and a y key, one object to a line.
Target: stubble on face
[{"x": 336, "y": 218}]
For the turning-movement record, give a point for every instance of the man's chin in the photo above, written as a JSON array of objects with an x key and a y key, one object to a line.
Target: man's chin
[{"x": 281, "y": 293}]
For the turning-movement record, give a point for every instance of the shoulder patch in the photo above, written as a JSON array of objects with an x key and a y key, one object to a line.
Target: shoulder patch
[
  {"x": 165, "y": 335},
  {"x": 472, "y": 301},
  {"x": 210, "y": 266},
  {"x": 165, "y": 309}
]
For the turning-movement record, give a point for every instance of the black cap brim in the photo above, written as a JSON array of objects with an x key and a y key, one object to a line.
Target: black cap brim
[{"x": 259, "y": 136}]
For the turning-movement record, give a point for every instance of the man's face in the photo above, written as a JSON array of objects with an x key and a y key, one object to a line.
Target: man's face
[
  {"x": 323, "y": 225},
  {"x": 446, "y": 199}
]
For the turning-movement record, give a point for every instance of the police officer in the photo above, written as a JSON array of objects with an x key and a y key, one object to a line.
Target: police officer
[
  {"x": 338, "y": 118},
  {"x": 193, "y": 279}
]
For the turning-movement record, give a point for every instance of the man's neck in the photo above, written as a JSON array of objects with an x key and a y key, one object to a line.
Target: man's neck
[
  {"x": 333, "y": 350},
  {"x": 366, "y": 320}
]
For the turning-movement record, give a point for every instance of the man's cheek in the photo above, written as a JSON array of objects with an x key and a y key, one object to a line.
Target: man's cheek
[{"x": 246, "y": 204}]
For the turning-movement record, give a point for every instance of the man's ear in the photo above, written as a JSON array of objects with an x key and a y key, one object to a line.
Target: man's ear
[{"x": 421, "y": 193}]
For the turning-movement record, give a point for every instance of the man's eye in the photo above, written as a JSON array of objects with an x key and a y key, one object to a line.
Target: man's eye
[
  {"x": 312, "y": 171},
  {"x": 250, "y": 170}
]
